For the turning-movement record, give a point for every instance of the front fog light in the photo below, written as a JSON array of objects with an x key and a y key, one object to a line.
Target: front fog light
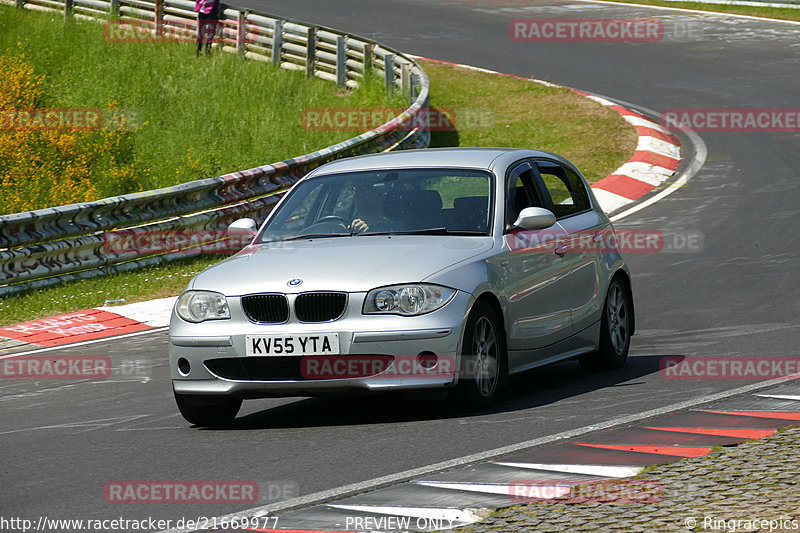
[{"x": 198, "y": 306}]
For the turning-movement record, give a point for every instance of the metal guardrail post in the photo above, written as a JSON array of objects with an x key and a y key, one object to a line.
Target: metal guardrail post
[
  {"x": 388, "y": 73},
  {"x": 311, "y": 52},
  {"x": 277, "y": 42},
  {"x": 113, "y": 9},
  {"x": 19, "y": 4},
  {"x": 368, "y": 59},
  {"x": 405, "y": 78},
  {"x": 341, "y": 61},
  {"x": 412, "y": 93},
  {"x": 159, "y": 18},
  {"x": 67, "y": 8},
  {"x": 241, "y": 31}
]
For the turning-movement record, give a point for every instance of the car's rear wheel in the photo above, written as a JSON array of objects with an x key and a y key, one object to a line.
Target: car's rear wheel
[
  {"x": 207, "y": 410},
  {"x": 483, "y": 359},
  {"x": 615, "y": 330}
]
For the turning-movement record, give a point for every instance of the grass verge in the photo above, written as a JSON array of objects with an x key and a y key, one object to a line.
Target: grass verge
[
  {"x": 149, "y": 283},
  {"x": 785, "y": 13},
  {"x": 492, "y": 110},
  {"x": 528, "y": 115},
  {"x": 190, "y": 117}
]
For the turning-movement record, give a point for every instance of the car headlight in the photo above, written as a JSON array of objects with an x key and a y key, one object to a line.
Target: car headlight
[
  {"x": 197, "y": 306},
  {"x": 412, "y": 299}
]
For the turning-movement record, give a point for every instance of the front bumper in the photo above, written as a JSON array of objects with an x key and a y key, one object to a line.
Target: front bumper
[{"x": 212, "y": 345}]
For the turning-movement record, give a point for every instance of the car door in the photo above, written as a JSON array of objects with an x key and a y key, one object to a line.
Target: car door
[
  {"x": 565, "y": 194},
  {"x": 534, "y": 279}
]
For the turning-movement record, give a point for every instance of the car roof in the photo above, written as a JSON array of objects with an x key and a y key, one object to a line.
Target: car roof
[{"x": 477, "y": 157}]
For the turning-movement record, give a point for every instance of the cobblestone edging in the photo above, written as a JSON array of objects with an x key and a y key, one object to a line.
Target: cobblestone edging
[{"x": 755, "y": 481}]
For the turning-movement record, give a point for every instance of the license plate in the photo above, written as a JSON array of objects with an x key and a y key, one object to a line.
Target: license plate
[{"x": 321, "y": 344}]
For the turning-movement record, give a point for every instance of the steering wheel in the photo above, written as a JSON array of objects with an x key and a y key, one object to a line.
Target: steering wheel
[
  {"x": 330, "y": 218},
  {"x": 325, "y": 224}
]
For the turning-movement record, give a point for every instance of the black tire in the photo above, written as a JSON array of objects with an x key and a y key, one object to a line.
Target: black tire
[
  {"x": 615, "y": 330},
  {"x": 207, "y": 410},
  {"x": 483, "y": 359}
]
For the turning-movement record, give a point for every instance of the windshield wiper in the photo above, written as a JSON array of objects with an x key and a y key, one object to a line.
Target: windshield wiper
[
  {"x": 316, "y": 236},
  {"x": 427, "y": 231}
]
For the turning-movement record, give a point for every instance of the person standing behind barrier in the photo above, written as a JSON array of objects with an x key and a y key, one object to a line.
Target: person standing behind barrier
[{"x": 207, "y": 18}]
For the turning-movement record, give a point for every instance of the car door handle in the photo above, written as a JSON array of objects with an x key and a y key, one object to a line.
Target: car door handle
[
  {"x": 561, "y": 249},
  {"x": 598, "y": 237}
]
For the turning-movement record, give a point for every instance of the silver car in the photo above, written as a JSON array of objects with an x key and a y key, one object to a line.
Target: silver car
[{"x": 416, "y": 271}]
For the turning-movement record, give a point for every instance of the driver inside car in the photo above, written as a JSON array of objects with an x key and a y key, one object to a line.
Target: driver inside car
[{"x": 369, "y": 210}]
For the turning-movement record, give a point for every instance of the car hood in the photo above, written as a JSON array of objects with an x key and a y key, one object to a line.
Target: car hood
[{"x": 351, "y": 264}]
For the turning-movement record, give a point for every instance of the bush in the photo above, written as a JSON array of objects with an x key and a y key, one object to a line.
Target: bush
[{"x": 40, "y": 167}]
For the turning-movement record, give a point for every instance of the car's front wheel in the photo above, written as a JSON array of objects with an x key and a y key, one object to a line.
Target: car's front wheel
[
  {"x": 483, "y": 359},
  {"x": 615, "y": 330},
  {"x": 207, "y": 410}
]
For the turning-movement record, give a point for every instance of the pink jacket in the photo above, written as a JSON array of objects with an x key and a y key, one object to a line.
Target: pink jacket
[{"x": 204, "y": 6}]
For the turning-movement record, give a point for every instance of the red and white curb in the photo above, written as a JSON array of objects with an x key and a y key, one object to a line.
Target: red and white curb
[
  {"x": 85, "y": 325},
  {"x": 657, "y": 155}
]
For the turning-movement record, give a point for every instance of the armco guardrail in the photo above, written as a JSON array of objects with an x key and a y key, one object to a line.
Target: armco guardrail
[{"x": 47, "y": 246}]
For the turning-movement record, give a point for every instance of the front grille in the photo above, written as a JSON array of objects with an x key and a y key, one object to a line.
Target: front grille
[
  {"x": 266, "y": 308},
  {"x": 320, "y": 306},
  {"x": 273, "y": 368}
]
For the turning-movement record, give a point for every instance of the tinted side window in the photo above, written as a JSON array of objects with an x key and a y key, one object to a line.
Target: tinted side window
[
  {"x": 567, "y": 194},
  {"x": 520, "y": 193},
  {"x": 579, "y": 191}
]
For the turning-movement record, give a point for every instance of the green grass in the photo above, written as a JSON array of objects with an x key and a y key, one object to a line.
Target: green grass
[
  {"x": 199, "y": 116},
  {"x": 158, "y": 281},
  {"x": 753, "y": 11},
  {"x": 494, "y": 111},
  {"x": 491, "y": 110}
]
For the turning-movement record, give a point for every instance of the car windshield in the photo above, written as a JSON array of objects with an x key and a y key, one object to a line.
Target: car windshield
[{"x": 387, "y": 201}]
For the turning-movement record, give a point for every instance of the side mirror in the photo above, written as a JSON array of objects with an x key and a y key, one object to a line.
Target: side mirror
[
  {"x": 532, "y": 218},
  {"x": 244, "y": 229}
]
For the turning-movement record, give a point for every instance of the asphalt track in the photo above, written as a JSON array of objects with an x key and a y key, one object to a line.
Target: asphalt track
[{"x": 63, "y": 441}]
